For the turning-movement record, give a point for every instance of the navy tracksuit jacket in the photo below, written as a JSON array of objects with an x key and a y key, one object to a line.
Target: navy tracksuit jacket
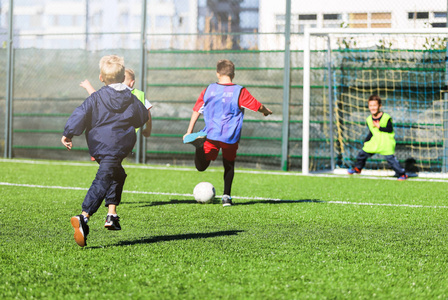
[{"x": 109, "y": 118}]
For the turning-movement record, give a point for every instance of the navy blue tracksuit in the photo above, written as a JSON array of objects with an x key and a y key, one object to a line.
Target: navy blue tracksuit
[{"x": 109, "y": 118}]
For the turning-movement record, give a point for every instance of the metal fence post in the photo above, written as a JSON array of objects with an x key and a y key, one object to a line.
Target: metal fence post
[
  {"x": 286, "y": 87},
  {"x": 330, "y": 103},
  {"x": 141, "y": 149},
  {"x": 87, "y": 25},
  {"x": 306, "y": 104},
  {"x": 9, "y": 85},
  {"x": 445, "y": 111},
  {"x": 143, "y": 70}
]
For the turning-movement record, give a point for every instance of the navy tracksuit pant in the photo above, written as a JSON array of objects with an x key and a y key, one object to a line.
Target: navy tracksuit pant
[
  {"x": 108, "y": 184},
  {"x": 391, "y": 159}
]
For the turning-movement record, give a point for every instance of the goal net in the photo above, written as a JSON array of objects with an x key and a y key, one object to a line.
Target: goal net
[{"x": 407, "y": 69}]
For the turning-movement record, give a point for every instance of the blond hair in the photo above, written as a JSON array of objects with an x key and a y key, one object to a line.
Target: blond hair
[
  {"x": 112, "y": 69},
  {"x": 130, "y": 73}
]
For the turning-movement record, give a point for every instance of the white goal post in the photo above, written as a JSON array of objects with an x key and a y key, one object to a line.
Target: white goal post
[{"x": 329, "y": 33}]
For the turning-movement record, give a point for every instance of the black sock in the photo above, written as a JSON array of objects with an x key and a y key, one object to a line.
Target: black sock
[
  {"x": 229, "y": 173},
  {"x": 199, "y": 159}
]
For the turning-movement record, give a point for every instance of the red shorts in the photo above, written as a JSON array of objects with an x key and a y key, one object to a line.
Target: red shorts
[{"x": 211, "y": 149}]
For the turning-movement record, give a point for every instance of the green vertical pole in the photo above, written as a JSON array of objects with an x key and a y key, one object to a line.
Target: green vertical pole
[
  {"x": 9, "y": 87},
  {"x": 140, "y": 155},
  {"x": 143, "y": 70},
  {"x": 330, "y": 102},
  {"x": 445, "y": 110},
  {"x": 87, "y": 25},
  {"x": 286, "y": 87}
]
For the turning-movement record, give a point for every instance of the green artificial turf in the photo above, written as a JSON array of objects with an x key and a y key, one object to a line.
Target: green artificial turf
[{"x": 314, "y": 243}]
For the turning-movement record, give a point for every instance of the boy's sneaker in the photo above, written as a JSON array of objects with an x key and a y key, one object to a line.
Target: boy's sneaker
[
  {"x": 403, "y": 177},
  {"x": 354, "y": 171},
  {"x": 226, "y": 200},
  {"x": 81, "y": 230},
  {"x": 112, "y": 222},
  {"x": 197, "y": 139}
]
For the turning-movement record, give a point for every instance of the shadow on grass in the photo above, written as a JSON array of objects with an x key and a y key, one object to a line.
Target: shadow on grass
[
  {"x": 173, "y": 201},
  {"x": 278, "y": 201},
  {"x": 156, "y": 203},
  {"x": 218, "y": 201},
  {"x": 187, "y": 236}
]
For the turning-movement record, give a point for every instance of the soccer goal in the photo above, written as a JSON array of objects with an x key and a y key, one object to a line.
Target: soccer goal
[{"x": 406, "y": 68}]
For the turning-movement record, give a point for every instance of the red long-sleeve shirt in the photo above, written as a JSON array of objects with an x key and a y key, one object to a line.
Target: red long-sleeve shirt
[{"x": 245, "y": 100}]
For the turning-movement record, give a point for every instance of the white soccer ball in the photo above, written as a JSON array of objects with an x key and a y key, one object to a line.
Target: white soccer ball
[{"x": 204, "y": 192}]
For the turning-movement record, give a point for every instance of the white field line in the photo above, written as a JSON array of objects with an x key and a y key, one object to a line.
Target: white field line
[
  {"x": 124, "y": 191},
  {"x": 192, "y": 169},
  {"x": 386, "y": 204},
  {"x": 235, "y": 197}
]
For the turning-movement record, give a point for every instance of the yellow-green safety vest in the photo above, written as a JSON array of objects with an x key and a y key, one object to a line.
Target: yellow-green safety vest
[
  {"x": 381, "y": 142},
  {"x": 140, "y": 96}
]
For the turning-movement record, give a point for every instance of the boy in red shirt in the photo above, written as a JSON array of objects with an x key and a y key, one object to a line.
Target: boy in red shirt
[{"x": 222, "y": 105}]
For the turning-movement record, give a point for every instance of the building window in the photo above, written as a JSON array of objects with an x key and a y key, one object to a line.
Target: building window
[
  {"x": 280, "y": 23},
  {"x": 442, "y": 25},
  {"x": 280, "y": 28},
  {"x": 332, "y": 20},
  {"x": 201, "y": 23},
  {"x": 381, "y": 16},
  {"x": 280, "y": 18},
  {"x": 381, "y": 20},
  {"x": 358, "y": 16},
  {"x": 440, "y": 14},
  {"x": 418, "y": 15},
  {"x": 370, "y": 20},
  {"x": 300, "y": 22},
  {"x": 332, "y": 16},
  {"x": 248, "y": 19},
  {"x": 307, "y": 17},
  {"x": 439, "y": 19},
  {"x": 358, "y": 20},
  {"x": 250, "y": 4}
]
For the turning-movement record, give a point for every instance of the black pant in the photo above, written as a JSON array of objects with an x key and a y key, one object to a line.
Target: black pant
[
  {"x": 391, "y": 159},
  {"x": 108, "y": 184},
  {"x": 229, "y": 168}
]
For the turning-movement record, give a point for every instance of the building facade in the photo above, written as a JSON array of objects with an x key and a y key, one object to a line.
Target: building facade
[{"x": 174, "y": 24}]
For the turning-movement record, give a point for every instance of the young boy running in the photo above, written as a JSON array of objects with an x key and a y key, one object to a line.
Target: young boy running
[
  {"x": 109, "y": 117},
  {"x": 222, "y": 105},
  {"x": 380, "y": 140}
]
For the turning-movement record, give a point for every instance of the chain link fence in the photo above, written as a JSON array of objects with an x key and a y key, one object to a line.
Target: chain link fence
[{"x": 173, "y": 47}]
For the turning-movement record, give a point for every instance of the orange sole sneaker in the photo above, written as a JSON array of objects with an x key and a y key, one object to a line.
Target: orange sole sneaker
[{"x": 79, "y": 234}]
